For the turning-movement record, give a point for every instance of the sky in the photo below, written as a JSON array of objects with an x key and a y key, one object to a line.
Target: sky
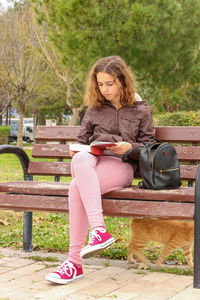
[{"x": 4, "y": 3}]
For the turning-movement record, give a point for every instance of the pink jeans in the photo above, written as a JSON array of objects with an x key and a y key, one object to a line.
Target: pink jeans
[{"x": 92, "y": 177}]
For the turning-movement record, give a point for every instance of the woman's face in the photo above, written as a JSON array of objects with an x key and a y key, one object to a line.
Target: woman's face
[{"x": 108, "y": 87}]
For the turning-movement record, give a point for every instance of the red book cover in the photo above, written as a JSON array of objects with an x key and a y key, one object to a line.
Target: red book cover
[{"x": 96, "y": 147}]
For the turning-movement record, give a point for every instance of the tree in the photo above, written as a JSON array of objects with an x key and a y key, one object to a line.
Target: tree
[
  {"x": 51, "y": 103},
  {"x": 5, "y": 100},
  {"x": 71, "y": 77},
  {"x": 22, "y": 71},
  {"x": 158, "y": 38}
]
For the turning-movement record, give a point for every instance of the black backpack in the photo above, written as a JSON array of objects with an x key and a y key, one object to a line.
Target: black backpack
[{"x": 159, "y": 166}]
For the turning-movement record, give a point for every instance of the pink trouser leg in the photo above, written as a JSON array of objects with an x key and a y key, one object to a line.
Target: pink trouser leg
[{"x": 92, "y": 177}]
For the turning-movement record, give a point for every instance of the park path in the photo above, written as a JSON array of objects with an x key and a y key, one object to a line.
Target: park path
[{"x": 22, "y": 277}]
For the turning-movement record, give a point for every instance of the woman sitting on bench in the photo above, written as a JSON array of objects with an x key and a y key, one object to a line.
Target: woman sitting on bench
[{"x": 115, "y": 114}]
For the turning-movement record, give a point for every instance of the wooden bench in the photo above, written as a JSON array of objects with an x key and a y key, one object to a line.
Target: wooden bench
[{"x": 29, "y": 195}]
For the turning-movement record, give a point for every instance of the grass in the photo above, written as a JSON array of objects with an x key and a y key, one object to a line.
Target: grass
[
  {"x": 40, "y": 258},
  {"x": 24, "y": 144},
  {"x": 174, "y": 270},
  {"x": 51, "y": 230}
]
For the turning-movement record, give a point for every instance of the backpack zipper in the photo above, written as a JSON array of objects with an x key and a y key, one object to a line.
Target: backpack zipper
[{"x": 167, "y": 170}]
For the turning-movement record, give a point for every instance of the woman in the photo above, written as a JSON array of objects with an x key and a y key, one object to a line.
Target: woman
[{"x": 114, "y": 115}]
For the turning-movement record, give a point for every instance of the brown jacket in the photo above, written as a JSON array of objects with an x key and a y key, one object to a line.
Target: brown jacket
[{"x": 129, "y": 124}]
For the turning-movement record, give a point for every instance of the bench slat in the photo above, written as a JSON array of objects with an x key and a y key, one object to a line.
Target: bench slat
[
  {"x": 190, "y": 153},
  {"x": 36, "y": 187},
  {"x": 183, "y": 194},
  {"x": 148, "y": 209},
  {"x": 179, "y": 134},
  {"x": 49, "y": 168},
  {"x": 111, "y": 207},
  {"x": 56, "y": 133},
  {"x": 170, "y": 133},
  {"x": 188, "y": 172},
  {"x": 51, "y": 151}
]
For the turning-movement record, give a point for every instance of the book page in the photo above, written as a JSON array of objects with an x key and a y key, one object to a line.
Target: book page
[{"x": 86, "y": 148}]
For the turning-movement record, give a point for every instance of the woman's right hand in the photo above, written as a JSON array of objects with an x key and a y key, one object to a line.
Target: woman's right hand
[
  {"x": 71, "y": 153},
  {"x": 120, "y": 147}
]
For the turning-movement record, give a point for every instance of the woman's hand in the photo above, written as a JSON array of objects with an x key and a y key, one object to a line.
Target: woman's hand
[
  {"x": 120, "y": 147},
  {"x": 71, "y": 153}
]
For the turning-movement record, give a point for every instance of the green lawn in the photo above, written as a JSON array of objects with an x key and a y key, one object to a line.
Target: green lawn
[{"x": 50, "y": 230}]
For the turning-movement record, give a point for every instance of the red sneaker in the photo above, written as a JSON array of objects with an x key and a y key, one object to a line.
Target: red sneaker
[
  {"x": 99, "y": 239},
  {"x": 66, "y": 273}
]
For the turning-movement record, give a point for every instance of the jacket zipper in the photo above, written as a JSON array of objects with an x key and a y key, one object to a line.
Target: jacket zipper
[{"x": 116, "y": 120}]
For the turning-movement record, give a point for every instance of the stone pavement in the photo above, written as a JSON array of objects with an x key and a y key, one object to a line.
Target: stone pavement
[{"x": 22, "y": 277}]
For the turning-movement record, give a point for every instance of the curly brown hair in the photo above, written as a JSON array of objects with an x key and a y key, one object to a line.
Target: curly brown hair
[{"x": 115, "y": 66}]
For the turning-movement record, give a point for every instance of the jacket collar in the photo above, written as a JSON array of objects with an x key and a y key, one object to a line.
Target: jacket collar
[{"x": 135, "y": 104}]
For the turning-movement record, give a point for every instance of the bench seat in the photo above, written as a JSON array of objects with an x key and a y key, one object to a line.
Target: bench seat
[
  {"x": 182, "y": 194},
  {"x": 52, "y": 196}
]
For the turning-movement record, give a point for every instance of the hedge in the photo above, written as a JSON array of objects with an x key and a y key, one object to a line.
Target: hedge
[
  {"x": 4, "y": 134},
  {"x": 181, "y": 118}
]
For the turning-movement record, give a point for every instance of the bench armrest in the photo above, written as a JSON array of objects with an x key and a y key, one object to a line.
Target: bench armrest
[{"x": 22, "y": 156}]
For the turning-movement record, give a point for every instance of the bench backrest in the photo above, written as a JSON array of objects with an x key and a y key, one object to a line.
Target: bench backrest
[{"x": 51, "y": 142}]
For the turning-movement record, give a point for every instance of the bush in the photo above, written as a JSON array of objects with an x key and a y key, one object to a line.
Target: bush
[
  {"x": 4, "y": 134},
  {"x": 181, "y": 118}
]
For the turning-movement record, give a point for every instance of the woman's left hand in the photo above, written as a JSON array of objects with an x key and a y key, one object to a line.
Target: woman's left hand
[{"x": 120, "y": 147}]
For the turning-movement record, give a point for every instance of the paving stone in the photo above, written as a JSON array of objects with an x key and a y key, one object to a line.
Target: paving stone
[
  {"x": 27, "y": 285},
  {"x": 4, "y": 270},
  {"x": 155, "y": 278},
  {"x": 85, "y": 266},
  {"x": 101, "y": 288},
  {"x": 79, "y": 297},
  {"x": 167, "y": 289},
  {"x": 19, "y": 262},
  {"x": 24, "y": 271},
  {"x": 129, "y": 291},
  {"x": 7, "y": 260},
  {"x": 187, "y": 294},
  {"x": 112, "y": 283}
]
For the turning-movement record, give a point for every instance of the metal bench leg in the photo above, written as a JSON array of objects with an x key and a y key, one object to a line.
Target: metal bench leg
[
  {"x": 27, "y": 232},
  {"x": 196, "y": 283}
]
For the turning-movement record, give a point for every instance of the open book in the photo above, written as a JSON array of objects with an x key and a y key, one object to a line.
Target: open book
[{"x": 96, "y": 147}]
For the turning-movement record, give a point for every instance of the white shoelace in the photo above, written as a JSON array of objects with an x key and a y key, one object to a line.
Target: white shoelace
[
  {"x": 65, "y": 267},
  {"x": 94, "y": 234}
]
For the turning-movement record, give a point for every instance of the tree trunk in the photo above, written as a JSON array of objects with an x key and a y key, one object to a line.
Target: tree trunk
[
  {"x": 7, "y": 118},
  {"x": 40, "y": 119},
  {"x": 34, "y": 120},
  {"x": 20, "y": 126},
  {"x": 59, "y": 119},
  {"x": 75, "y": 118}
]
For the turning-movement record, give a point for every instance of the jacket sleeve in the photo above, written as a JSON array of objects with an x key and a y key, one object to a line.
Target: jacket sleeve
[
  {"x": 146, "y": 133},
  {"x": 86, "y": 129}
]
